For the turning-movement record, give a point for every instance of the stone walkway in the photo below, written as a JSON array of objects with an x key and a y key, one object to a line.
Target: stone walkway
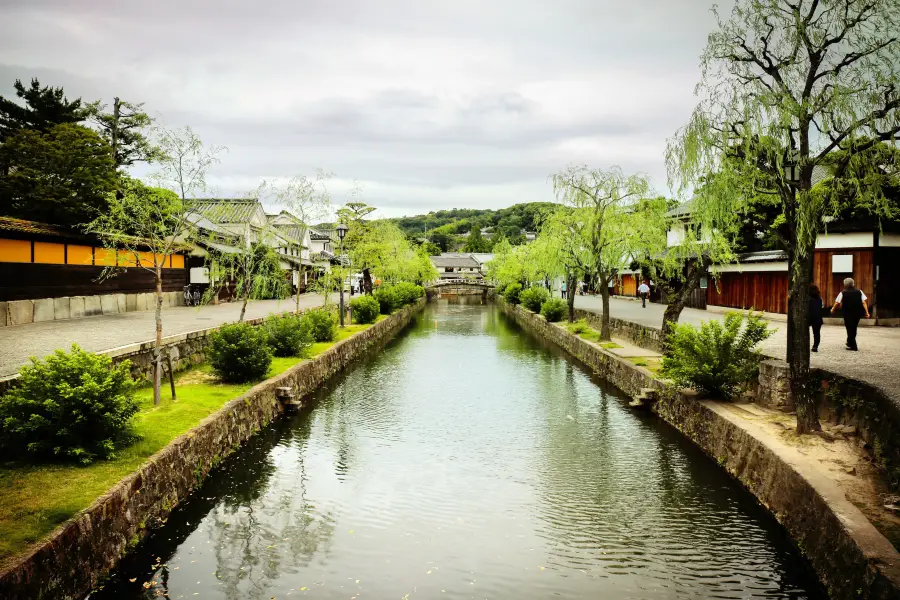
[
  {"x": 19, "y": 342},
  {"x": 877, "y": 362}
]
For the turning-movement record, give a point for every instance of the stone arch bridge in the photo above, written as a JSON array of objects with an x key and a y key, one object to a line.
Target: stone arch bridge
[{"x": 460, "y": 287}]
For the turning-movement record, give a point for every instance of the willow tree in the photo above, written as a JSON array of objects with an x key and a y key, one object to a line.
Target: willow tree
[
  {"x": 607, "y": 198},
  {"x": 788, "y": 87},
  {"x": 564, "y": 243}
]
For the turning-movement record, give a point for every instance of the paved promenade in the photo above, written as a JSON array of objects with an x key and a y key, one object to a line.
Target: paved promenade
[
  {"x": 19, "y": 342},
  {"x": 877, "y": 362}
]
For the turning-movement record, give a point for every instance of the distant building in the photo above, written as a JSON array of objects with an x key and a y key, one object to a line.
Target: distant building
[{"x": 457, "y": 266}]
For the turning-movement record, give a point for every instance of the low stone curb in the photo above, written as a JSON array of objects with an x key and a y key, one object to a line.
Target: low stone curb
[
  {"x": 851, "y": 558},
  {"x": 78, "y": 554}
]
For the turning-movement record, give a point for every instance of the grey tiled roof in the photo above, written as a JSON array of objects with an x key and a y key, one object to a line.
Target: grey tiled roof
[
  {"x": 762, "y": 256},
  {"x": 293, "y": 232},
  {"x": 226, "y": 210},
  {"x": 455, "y": 261}
]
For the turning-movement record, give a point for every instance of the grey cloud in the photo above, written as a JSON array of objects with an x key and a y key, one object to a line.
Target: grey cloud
[{"x": 460, "y": 101}]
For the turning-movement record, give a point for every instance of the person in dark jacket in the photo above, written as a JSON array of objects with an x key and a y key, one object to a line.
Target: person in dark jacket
[
  {"x": 852, "y": 302},
  {"x": 815, "y": 315}
]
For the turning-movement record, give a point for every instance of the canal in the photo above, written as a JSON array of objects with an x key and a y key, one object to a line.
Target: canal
[{"x": 466, "y": 460}]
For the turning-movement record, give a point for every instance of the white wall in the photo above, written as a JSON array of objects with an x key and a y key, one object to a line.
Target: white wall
[
  {"x": 858, "y": 239},
  {"x": 675, "y": 235},
  {"x": 771, "y": 266}
]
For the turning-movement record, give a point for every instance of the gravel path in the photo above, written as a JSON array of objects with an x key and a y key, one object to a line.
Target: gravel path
[
  {"x": 19, "y": 342},
  {"x": 877, "y": 362}
]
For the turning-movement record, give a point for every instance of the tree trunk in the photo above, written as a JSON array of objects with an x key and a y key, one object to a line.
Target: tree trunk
[
  {"x": 297, "y": 305},
  {"x": 798, "y": 352},
  {"x": 604, "y": 318},
  {"x": 115, "y": 131},
  {"x": 244, "y": 307},
  {"x": 157, "y": 350},
  {"x": 570, "y": 295},
  {"x": 367, "y": 281},
  {"x": 677, "y": 299}
]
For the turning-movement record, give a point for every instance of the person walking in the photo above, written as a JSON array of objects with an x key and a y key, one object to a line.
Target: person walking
[
  {"x": 853, "y": 305},
  {"x": 815, "y": 315},
  {"x": 564, "y": 290},
  {"x": 644, "y": 291}
]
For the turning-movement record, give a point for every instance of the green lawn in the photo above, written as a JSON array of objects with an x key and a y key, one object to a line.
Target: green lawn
[{"x": 35, "y": 499}]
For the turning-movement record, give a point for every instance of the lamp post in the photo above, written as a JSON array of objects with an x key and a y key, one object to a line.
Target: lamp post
[{"x": 342, "y": 231}]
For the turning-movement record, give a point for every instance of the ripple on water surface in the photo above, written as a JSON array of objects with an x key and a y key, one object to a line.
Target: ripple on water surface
[{"x": 466, "y": 460}]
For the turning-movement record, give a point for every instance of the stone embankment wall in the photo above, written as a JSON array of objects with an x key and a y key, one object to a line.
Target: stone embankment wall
[
  {"x": 641, "y": 335},
  {"x": 852, "y": 559},
  {"x": 75, "y": 557},
  {"x": 858, "y": 406},
  {"x": 23, "y": 312}
]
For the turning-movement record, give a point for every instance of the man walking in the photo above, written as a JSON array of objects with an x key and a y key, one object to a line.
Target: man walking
[
  {"x": 644, "y": 291},
  {"x": 852, "y": 302}
]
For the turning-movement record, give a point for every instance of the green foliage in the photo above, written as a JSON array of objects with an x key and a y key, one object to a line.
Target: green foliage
[
  {"x": 718, "y": 359},
  {"x": 365, "y": 309},
  {"x": 511, "y": 292},
  {"x": 579, "y": 326},
  {"x": 239, "y": 353},
  {"x": 387, "y": 299},
  {"x": 407, "y": 292},
  {"x": 533, "y": 298},
  {"x": 321, "y": 324},
  {"x": 476, "y": 242},
  {"x": 123, "y": 129},
  {"x": 45, "y": 107},
  {"x": 72, "y": 406},
  {"x": 554, "y": 309},
  {"x": 287, "y": 335},
  {"x": 442, "y": 225},
  {"x": 62, "y": 176}
]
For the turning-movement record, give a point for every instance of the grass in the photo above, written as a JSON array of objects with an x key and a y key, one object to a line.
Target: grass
[
  {"x": 609, "y": 345},
  {"x": 34, "y": 499},
  {"x": 648, "y": 362}
]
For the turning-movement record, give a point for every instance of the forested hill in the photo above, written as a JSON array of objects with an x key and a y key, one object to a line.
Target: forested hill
[{"x": 510, "y": 222}]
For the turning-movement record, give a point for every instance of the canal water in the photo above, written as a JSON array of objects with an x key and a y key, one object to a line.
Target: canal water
[{"x": 466, "y": 460}]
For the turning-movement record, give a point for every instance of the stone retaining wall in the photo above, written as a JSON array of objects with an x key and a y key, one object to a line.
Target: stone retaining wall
[
  {"x": 78, "y": 554},
  {"x": 23, "y": 312},
  {"x": 851, "y": 558},
  {"x": 846, "y": 402},
  {"x": 641, "y": 335}
]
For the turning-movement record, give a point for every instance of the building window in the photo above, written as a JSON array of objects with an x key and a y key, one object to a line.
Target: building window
[{"x": 704, "y": 283}]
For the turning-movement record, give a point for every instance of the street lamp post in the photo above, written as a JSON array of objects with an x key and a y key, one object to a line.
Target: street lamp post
[{"x": 342, "y": 231}]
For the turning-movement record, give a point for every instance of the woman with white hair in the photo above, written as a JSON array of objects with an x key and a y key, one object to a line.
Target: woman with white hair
[{"x": 852, "y": 302}]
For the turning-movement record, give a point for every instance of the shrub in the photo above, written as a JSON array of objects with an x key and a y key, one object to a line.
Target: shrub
[
  {"x": 365, "y": 309},
  {"x": 320, "y": 324},
  {"x": 579, "y": 326},
  {"x": 554, "y": 309},
  {"x": 511, "y": 293},
  {"x": 287, "y": 336},
  {"x": 718, "y": 359},
  {"x": 388, "y": 299},
  {"x": 239, "y": 352},
  {"x": 72, "y": 406},
  {"x": 533, "y": 298},
  {"x": 407, "y": 293}
]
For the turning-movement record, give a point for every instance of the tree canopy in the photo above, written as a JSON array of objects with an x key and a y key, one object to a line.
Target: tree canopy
[
  {"x": 62, "y": 176},
  {"x": 44, "y": 107}
]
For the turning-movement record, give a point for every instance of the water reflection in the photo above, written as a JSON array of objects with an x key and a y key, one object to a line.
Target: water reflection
[{"x": 466, "y": 460}]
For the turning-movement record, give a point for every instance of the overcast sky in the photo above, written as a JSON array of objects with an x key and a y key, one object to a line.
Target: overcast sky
[{"x": 430, "y": 104}]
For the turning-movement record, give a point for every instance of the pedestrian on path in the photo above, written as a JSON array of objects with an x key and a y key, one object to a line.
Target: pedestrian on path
[
  {"x": 564, "y": 290},
  {"x": 644, "y": 290},
  {"x": 852, "y": 302},
  {"x": 815, "y": 315}
]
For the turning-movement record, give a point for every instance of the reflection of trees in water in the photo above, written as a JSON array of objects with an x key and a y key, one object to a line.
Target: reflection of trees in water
[{"x": 271, "y": 531}]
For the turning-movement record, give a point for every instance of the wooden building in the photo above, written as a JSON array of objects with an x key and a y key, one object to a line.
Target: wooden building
[
  {"x": 38, "y": 260},
  {"x": 759, "y": 280}
]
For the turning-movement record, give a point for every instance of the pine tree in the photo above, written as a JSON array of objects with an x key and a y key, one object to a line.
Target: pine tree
[
  {"x": 45, "y": 107},
  {"x": 123, "y": 129}
]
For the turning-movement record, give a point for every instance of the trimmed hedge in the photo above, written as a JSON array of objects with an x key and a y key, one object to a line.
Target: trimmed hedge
[
  {"x": 239, "y": 353},
  {"x": 554, "y": 309},
  {"x": 365, "y": 309}
]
